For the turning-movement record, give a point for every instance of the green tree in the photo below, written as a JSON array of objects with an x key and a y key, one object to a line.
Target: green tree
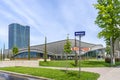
[
  {"x": 67, "y": 49},
  {"x": 107, "y": 49},
  {"x": 1, "y": 55},
  {"x": 15, "y": 50},
  {"x": 4, "y": 52},
  {"x": 76, "y": 56},
  {"x": 108, "y": 19},
  {"x": 29, "y": 49},
  {"x": 45, "y": 50}
]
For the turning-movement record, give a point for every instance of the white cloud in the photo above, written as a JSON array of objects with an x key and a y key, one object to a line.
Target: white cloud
[{"x": 53, "y": 21}]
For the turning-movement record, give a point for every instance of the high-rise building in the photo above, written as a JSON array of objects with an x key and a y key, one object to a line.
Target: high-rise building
[{"x": 19, "y": 35}]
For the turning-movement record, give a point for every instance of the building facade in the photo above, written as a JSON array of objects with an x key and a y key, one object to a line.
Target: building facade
[
  {"x": 19, "y": 35},
  {"x": 55, "y": 50}
]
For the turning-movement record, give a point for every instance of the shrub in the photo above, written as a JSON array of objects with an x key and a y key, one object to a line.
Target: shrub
[{"x": 108, "y": 60}]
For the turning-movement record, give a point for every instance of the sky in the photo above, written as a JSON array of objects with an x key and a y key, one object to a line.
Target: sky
[{"x": 51, "y": 18}]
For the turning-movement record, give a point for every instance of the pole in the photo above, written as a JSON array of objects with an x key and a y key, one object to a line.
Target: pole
[
  {"x": 80, "y": 34},
  {"x": 79, "y": 55}
]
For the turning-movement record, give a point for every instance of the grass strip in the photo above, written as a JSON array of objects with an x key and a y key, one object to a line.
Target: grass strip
[
  {"x": 53, "y": 74},
  {"x": 83, "y": 63}
]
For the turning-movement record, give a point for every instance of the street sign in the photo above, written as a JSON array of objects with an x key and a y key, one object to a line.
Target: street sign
[{"x": 80, "y": 33}]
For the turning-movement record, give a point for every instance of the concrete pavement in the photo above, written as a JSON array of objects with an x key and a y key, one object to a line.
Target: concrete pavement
[
  {"x": 106, "y": 73},
  {"x": 112, "y": 74}
]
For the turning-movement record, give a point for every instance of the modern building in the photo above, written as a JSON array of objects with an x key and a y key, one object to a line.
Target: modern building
[
  {"x": 55, "y": 50},
  {"x": 19, "y": 35}
]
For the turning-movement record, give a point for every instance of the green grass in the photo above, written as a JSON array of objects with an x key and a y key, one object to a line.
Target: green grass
[
  {"x": 83, "y": 63},
  {"x": 53, "y": 74}
]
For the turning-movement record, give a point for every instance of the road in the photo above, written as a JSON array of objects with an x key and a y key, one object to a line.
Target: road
[{"x": 6, "y": 75}]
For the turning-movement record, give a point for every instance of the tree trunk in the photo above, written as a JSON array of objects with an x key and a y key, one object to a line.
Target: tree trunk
[
  {"x": 29, "y": 56},
  {"x": 112, "y": 52},
  {"x": 29, "y": 49},
  {"x": 66, "y": 62},
  {"x": 113, "y": 61},
  {"x": 1, "y": 55},
  {"x": 45, "y": 50},
  {"x": 76, "y": 59}
]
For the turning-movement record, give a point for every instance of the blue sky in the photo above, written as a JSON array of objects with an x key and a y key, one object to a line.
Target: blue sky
[{"x": 52, "y": 18}]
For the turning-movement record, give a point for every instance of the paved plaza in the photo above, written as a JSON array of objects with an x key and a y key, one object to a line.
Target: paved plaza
[{"x": 106, "y": 73}]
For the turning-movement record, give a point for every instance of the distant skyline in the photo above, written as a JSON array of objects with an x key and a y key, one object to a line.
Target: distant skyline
[{"x": 51, "y": 18}]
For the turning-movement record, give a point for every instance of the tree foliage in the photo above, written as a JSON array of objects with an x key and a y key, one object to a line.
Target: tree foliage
[
  {"x": 108, "y": 19},
  {"x": 67, "y": 46},
  {"x": 67, "y": 49},
  {"x": 107, "y": 49},
  {"x": 15, "y": 50}
]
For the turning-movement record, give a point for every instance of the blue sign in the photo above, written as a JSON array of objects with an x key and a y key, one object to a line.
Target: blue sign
[{"x": 80, "y": 33}]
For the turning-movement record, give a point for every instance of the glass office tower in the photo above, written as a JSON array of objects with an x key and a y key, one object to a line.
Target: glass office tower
[{"x": 19, "y": 35}]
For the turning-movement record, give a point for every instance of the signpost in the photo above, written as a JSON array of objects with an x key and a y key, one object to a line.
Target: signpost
[{"x": 80, "y": 34}]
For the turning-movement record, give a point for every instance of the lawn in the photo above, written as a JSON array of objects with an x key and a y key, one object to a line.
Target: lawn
[
  {"x": 53, "y": 74},
  {"x": 83, "y": 63}
]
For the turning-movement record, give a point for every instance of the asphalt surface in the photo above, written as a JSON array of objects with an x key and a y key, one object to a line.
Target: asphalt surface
[{"x": 6, "y": 75}]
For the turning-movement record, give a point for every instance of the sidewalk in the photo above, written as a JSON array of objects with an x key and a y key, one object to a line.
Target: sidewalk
[{"x": 106, "y": 73}]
